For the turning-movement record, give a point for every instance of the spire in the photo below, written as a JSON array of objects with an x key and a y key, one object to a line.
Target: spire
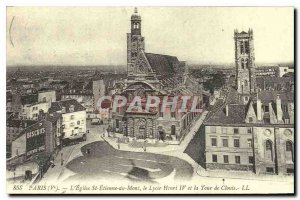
[{"x": 135, "y": 10}]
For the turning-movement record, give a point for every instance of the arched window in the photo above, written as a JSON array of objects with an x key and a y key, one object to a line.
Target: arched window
[
  {"x": 289, "y": 151},
  {"x": 246, "y": 83},
  {"x": 247, "y": 47},
  {"x": 246, "y": 63},
  {"x": 242, "y": 47},
  {"x": 269, "y": 151},
  {"x": 173, "y": 130},
  {"x": 242, "y": 63}
]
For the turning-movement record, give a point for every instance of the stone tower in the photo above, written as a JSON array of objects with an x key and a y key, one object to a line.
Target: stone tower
[
  {"x": 135, "y": 41},
  {"x": 244, "y": 62}
]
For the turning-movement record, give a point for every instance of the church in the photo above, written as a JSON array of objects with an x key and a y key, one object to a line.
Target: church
[{"x": 150, "y": 74}]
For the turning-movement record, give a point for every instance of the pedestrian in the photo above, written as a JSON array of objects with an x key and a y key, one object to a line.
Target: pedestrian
[{"x": 118, "y": 145}]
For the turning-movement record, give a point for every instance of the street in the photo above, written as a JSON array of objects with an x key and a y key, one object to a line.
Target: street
[{"x": 106, "y": 162}]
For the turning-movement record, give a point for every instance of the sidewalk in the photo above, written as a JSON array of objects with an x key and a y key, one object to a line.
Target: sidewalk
[
  {"x": 245, "y": 175},
  {"x": 68, "y": 153}
]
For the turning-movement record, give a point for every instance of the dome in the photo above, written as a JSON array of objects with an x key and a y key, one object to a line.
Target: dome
[{"x": 135, "y": 15}]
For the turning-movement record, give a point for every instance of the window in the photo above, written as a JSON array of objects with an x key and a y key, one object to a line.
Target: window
[
  {"x": 241, "y": 47},
  {"x": 173, "y": 115},
  {"x": 214, "y": 142},
  {"x": 237, "y": 159},
  {"x": 236, "y": 130},
  {"x": 214, "y": 158},
  {"x": 249, "y": 130},
  {"x": 78, "y": 122},
  {"x": 270, "y": 169},
  {"x": 225, "y": 142},
  {"x": 249, "y": 142},
  {"x": 250, "y": 119},
  {"x": 286, "y": 121},
  {"x": 242, "y": 63},
  {"x": 289, "y": 151},
  {"x": 251, "y": 160},
  {"x": 269, "y": 150},
  {"x": 225, "y": 157},
  {"x": 117, "y": 123},
  {"x": 290, "y": 170},
  {"x": 266, "y": 108},
  {"x": 246, "y": 47},
  {"x": 213, "y": 129},
  {"x": 173, "y": 130},
  {"x": 224, "y": 130},
  {"x": 236, "y": 143},
  {"x": 161, "y": 114}
]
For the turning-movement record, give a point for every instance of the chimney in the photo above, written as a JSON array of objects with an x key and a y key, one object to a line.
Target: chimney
[
  {"x": 278, "y": 108},
  {"x": 226, "y": 110},
  {"x": 259, "y": 114}
]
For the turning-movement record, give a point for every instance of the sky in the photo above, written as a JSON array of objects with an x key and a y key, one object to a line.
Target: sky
[{"x": 97, "y": 35}]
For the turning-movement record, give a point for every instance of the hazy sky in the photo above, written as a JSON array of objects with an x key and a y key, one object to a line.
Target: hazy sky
[{"x": 97, "y": 35}]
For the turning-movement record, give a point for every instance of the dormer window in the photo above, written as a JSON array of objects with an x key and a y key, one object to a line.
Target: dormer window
[
  {"x": 72, "y": 108},
  {"x": 63, "y": 109}
]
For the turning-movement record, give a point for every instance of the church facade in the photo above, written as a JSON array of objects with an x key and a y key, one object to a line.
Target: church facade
[{"x": 154, "y": 75}]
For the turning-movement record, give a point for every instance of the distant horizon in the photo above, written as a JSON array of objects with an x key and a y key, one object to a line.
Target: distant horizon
[
  {"x": 116, "y": 67},
  {"x": 84, "y": 36}
]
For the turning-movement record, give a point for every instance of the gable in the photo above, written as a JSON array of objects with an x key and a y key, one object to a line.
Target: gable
[{"x": 141, "y": 65}]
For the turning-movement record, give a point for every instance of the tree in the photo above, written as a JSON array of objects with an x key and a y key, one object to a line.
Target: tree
[{"x": 216, "y": 82}]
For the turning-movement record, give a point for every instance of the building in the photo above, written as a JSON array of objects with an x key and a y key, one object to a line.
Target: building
[
  {"x": 276, "y": 83},
  {"x": 42, "y": 136},
  {"x": 150, "y": 74},
  {"x": 245, "y": 62},
  {"x": 34, "y": 147},
  {"x": 266, "y": 71},
  {"x": 252, "y": 128},
  {"x": 256, "y": 137},
  {"x": 282, "y": 70},
  {"x": 82, "y": 92},
  {"x": 73, "y": 119},
  {"x": 14, "y": 127}
]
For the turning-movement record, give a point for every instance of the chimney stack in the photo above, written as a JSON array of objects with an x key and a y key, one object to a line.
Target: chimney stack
[
  {"x": 278, "y": 109},
  {"x": 259, "y": 113},
  {"x": 226, "y": 110}
]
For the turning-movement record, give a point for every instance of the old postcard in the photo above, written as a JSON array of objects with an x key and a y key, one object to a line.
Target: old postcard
[{"x": 150, "y": 100}]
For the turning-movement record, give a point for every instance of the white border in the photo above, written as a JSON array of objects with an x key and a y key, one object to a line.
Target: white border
[{"x": 4, "y": 3}]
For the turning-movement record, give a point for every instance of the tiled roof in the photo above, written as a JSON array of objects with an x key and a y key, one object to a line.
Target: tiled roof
[
  {"x": 29, "y": 99},
  {"x": 53, "y": 117},
  {"x": 58, "y": 105},
  {"x": 267, "y": 96},
  {"x": 163, "y": 64},
  {"x": 17, "y": 123},
  {"x": 236, "y": 115}
]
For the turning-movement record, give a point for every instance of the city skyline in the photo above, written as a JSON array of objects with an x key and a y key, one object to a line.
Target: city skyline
[{"x": 34, "y": 36}]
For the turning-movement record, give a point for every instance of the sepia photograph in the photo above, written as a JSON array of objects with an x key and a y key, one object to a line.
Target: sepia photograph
[{"x": 150, "y": 100}]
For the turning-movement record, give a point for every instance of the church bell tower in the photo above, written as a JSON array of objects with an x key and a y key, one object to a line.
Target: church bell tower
[
  {"x": 135, "y": 41},
  {"x": 245, "y": 62}
]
